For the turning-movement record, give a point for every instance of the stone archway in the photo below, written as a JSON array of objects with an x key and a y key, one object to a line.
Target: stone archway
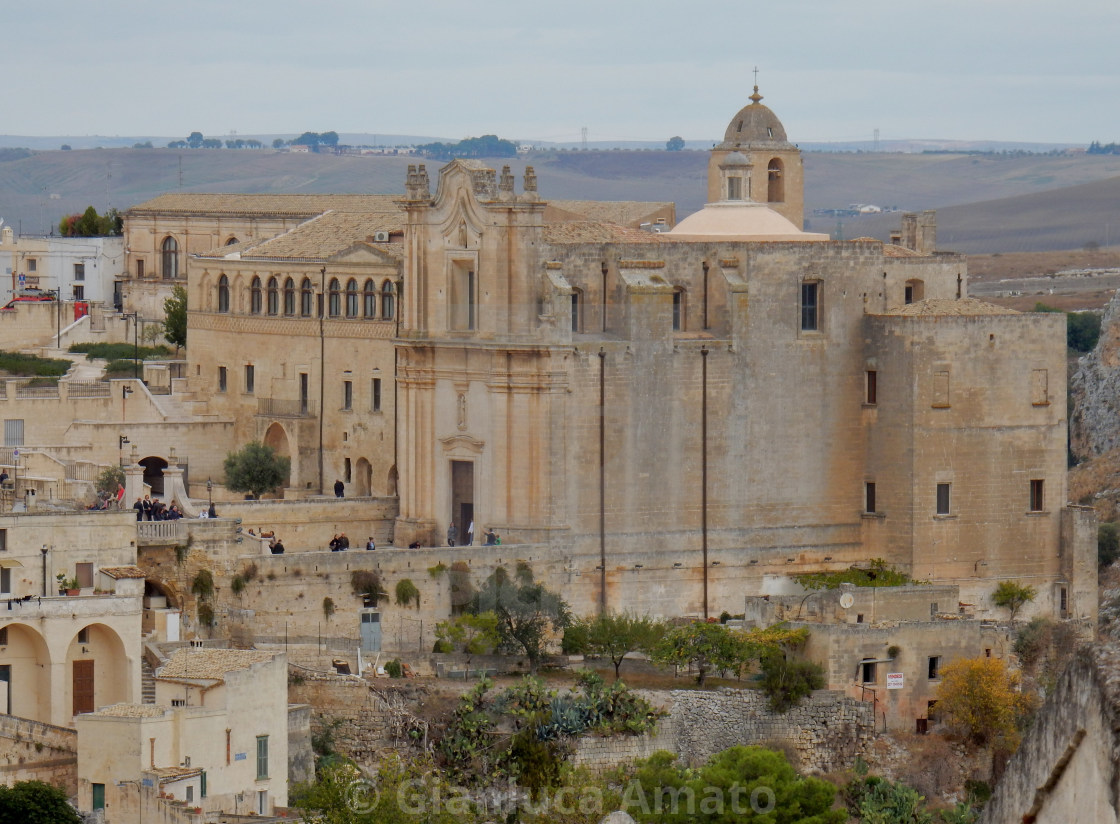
[
  {"x": 158, "y": 598},
  {"x": 97, "y": 670},
  {"x": 391, "y": 482},
  {"x": 276, "y": 438},
  {"x": 153, "y": 473},
  {"x": 363, "y": 478},
  {"x": 26, "y": 667}
]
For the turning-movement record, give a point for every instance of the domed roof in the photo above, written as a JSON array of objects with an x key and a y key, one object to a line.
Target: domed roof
[
  {"x": 738, "y": 220},
  {"x": 734, "y": 159},
  {"x": 755, "y": 124}
]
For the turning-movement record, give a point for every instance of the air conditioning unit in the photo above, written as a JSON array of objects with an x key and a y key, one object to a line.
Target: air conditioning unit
[{"x": 380, "y": 237}]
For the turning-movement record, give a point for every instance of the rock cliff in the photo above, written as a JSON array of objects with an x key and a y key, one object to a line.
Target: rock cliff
[{"x": 1095, "y": 387}]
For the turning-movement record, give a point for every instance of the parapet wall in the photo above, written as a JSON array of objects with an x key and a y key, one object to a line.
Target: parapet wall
[{"x": 30, "y": 750}]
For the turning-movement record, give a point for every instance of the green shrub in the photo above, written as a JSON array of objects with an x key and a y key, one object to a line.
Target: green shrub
[
  {"x": 237, "y": 585},
  {"x": 576, "y": 639},
  {"x": 119, "y": 351},
  {"x": 394, "y": 669},
  {"x": 407, "y": 593},
  {"x": 786, "y": 681},
  {"x": 18, "y": 364},
  {"x": 1108, "y": 544},
  {"x": 203, "y": 584},
  {"x": 367, "y": 584}
]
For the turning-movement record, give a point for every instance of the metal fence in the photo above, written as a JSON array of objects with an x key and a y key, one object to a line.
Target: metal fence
[
  {"x": 285, "y": 408},
  {"x": 87, "y": 389}
]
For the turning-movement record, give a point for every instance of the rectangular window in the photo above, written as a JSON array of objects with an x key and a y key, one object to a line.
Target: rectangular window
[
  {"x": 140, "y": 268},
  {"x": 1040, "y": 387},
  {"x": 79, "y": 292},
  {"x": 262, "y": 756},
  {"x": 1037, "y": 495},
  {"x": 3, "y": 636},
  {"x": 223, "y": 379},
  {"x": 98, "y": 796},
  {"x": 1063, "y": 602},
  {"x": 347, "y": 395},
  {"x": 32, "y": 265},
  {"x": 734, "y": 188},
  {"x": 941, "y": 389},
  {"x": 250, "y": 379},
  {"x": 933, "y": 669},
  {"x": 190, "y": 793},
  {"x": 79, "y": 271},
  {"x": 869, "y": 497},
  {"x": 304, "y": 392},
  {"x": 943, "y": 499},
  {"x": 178, "y": 702},
  {"x": 463, "y": 296},
  {"x": 810, "y": 306},
  {"x": 908, "y": 295},
  {"x": 5, "y": 581},
  {"x": 678, "y": 310},
  {"x": 83, "y": 635},
  {"x": 202, "y": 785},
  {"x": 375, "y": 395},
  {"x": 13, "y": 432},
  {"x": 867, "y": 672},
  {"x": 871, "y": 386},
  {"x": 3, "y": 540},
  {"x": 577, "y": 320}
]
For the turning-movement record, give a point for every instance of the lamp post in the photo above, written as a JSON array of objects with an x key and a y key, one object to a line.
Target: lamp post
[
  {"x": 210, "y": 499},
  {"x": 43, "y": 551},
  {"x": 121, "y": 441},
  {"x": 139, "y": 798}
]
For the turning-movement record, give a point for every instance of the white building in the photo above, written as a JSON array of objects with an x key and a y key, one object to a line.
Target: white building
[{"x": 82, "y": 268}]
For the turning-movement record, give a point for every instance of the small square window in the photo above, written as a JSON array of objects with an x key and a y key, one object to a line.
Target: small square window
[
  {"x": 79, "y": 271},
  {"x": 83, "y": 635},
  {"x": 1037, "y": 498},
  {"x": 943, "y": 499},
  {"x": 933, "y": 669}
]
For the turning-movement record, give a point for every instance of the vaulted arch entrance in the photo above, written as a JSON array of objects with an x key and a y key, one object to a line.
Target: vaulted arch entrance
[
  {"x": 98, "y": 667},
  {"x": 25, "y": 671},
  {"x": 276, "y": 438},
  {"x": 363, "y": 478},
  {"x": 153, "y": 473}
]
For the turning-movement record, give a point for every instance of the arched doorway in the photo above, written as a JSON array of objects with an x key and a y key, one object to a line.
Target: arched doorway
[
  {"x": 775, "y": 181},
  {"x": 158, "y": 599},
  {"x": 363, "y": 478},
  {"x": 153, "y": 473},
  {"x": 276, "y": 438},
  {"x": 391, "y": 483},
  {"x": 26, "y": 668},
  {"x": 98, "y": 671}
]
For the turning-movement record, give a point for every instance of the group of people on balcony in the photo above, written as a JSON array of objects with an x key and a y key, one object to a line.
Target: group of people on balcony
[{"x": 156, "y": 510}]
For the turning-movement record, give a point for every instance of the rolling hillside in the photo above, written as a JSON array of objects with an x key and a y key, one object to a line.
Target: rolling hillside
[{"x": 985, "y": 203}]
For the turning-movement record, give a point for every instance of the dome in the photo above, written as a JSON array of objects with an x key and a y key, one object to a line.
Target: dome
[
  {"x": 739, "y": 220},
  {"x": 755, "y": 124},
  {"x": 734, "y": 159}
]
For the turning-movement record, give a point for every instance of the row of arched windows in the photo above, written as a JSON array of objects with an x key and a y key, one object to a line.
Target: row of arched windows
[{"x": 272, "y": 299}]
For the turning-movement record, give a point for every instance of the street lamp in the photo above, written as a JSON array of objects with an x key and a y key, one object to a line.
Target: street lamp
[
  {"x": 210, "y": 498},
  {"x": 139, "y": 798},
  {"x": 121, "y": 441},
  {"x": 43, "y": 550}
]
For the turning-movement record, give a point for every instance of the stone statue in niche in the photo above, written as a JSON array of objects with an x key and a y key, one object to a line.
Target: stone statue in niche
[
  {"x": 462, "y": 404},
  {"x": 463, "y": 234}
]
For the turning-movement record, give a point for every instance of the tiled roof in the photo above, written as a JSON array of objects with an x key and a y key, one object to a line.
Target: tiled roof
[
  {"x": 891, "y": 250},
  {"x": 132, "y": 711},
  {"x": 590, "y": 232},
  {"x": 167, "y": 774},
  {"x": 261, "y": 204},
  {"x": 624, "y": 212},
  {"x": 962, "y": 306},
  {"x": 119, "y": 572},
  {"x": 210, "y": 663},
  {"x": 322, "y": 236}
]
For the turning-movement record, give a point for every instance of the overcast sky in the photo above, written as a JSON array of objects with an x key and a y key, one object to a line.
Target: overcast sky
[{"x": 833, "y": 71}]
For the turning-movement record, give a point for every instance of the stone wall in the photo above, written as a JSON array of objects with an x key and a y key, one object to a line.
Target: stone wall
[
  {"x": 826, "y": 730},
  {"x": 599, "y": 754},
  {"x": 30, "y": 751},
  {"x": 301, "y": 758}
]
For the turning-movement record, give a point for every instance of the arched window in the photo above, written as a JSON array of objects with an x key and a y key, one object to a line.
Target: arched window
[
  {"x": 305, "y": 298},
  {"x": 223, "y": 294},
  {"x": 273, "y": 296},
  {"x": 289, "y": 297},
  {"x": 387, "y": 300},
  {"x": 169, "y": 256},
  {"x": 255, "y": 296},
  {"x": 231, "y": 241},
  {"x": 775, "y": 182},
  {"x": 334, "y": 299},
  {"x": 351, "y": 298},
  {"x": 369, "y": 300}
]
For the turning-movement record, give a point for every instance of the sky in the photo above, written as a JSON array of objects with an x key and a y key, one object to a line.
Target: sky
[{"x": 1026, "y": 70}]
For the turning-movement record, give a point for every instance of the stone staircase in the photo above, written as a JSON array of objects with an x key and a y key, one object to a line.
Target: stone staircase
[{"x": 147, "y": 682}]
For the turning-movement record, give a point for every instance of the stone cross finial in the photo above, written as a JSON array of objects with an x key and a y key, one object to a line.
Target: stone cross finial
[
  {"x": 530, "y": 179},
  {"x": 505, "y": 183},
  {"x": 416, "y": 183}
]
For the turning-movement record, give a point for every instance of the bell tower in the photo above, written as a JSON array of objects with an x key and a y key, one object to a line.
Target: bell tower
[{"x": 776, "y": 176}]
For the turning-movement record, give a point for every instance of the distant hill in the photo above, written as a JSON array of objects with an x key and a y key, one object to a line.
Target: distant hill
[{"x": 986, "y": 203}]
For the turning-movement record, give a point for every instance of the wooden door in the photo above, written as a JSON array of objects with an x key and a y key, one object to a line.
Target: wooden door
[{"x": 83, "y": 687}]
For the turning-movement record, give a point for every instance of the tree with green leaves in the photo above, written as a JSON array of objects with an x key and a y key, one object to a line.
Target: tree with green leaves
[
  {"x": 1014, "y": 596},
  {"x": 194, "y": 140},
  {"x": 35, "y": 802},
  {"x": 90, "y": 224},
  {"x": 708, "y": 647},
  {"x": 1108, "y": 544},
  {"x": 528, "y": 614},
  {"x": 613, "y": 635},
  {"x": 472, "y": 634},
  {"x": 674, "y": 144},
  {"x": 256, "y": 469},
  {"x": 109, "y": 481},
  {"x": 175, "y": 317}
]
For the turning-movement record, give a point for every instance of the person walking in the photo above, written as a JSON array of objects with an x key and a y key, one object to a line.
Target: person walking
[
  {"x": 370, "y": 545},
  {"x": 139, "y": 507},
  {"x": 452, "y": 534},
  {"x": 339, "y": 489},
  {"x": 470, "y": 534}
]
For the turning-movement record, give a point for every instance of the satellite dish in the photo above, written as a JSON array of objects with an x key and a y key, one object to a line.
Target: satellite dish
[{"x": 846, "y": 600}]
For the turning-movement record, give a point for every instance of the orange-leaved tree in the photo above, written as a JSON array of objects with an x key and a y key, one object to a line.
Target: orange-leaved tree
[{"x": 980, "y": 699}]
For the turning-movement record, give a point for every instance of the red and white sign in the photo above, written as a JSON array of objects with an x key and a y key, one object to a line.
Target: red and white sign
[{"x": 894, "y": 680}]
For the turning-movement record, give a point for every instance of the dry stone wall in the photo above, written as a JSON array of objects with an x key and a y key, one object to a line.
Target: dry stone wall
[{"x": 30, "y": 750}]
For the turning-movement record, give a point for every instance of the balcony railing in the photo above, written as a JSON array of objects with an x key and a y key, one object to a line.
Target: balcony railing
[{"x": 285, "y": 408}]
